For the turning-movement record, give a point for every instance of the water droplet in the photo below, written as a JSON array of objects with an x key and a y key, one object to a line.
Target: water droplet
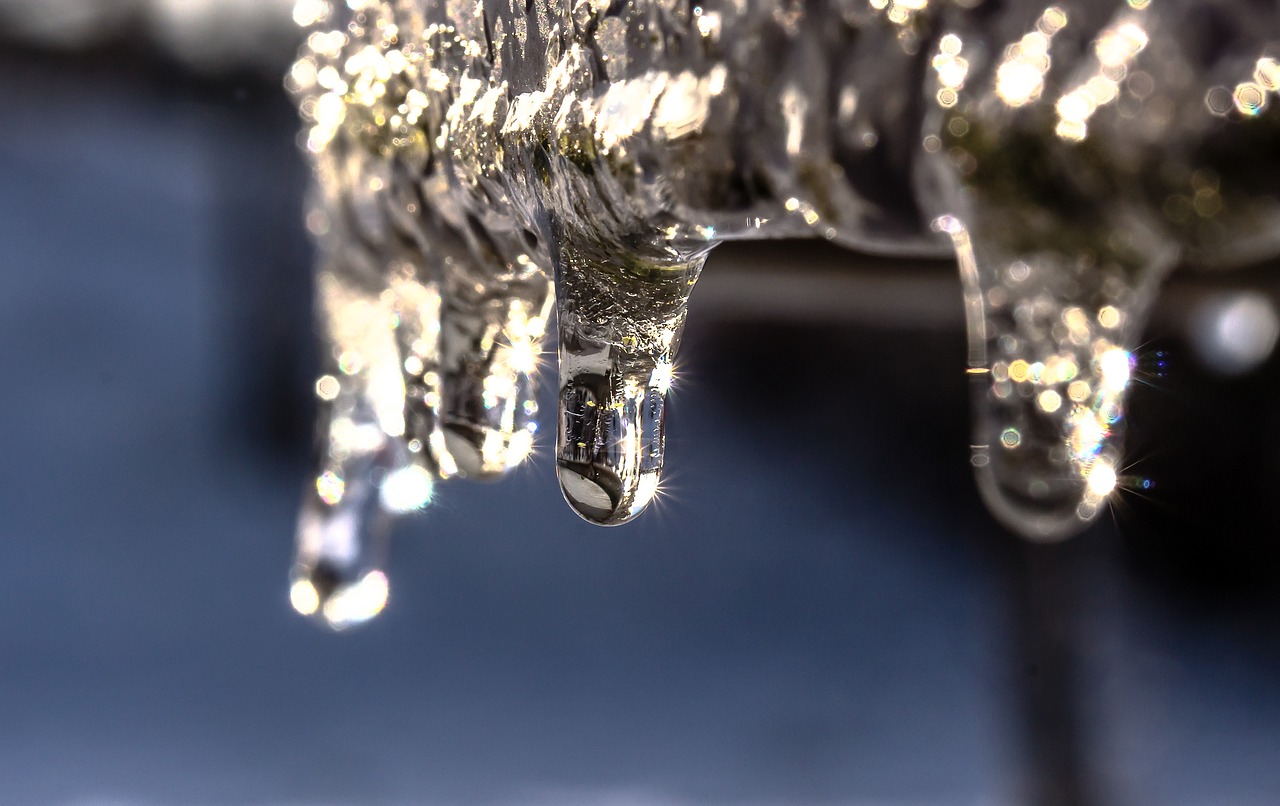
[
  {"x": 343, "y": 530},
  {"x": 620, "y": 327}
]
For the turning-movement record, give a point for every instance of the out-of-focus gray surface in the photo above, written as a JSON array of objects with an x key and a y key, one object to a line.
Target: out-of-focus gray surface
[
  {"x": 836, "y": 621},
  {"x": 207, "y": 35}
]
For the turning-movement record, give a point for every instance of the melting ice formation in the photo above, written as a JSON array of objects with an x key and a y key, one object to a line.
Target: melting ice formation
[{"x": 478, "y": 162}]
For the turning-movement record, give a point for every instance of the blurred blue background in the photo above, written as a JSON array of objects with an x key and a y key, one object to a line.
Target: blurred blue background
[{"x": 810, "y": 616}]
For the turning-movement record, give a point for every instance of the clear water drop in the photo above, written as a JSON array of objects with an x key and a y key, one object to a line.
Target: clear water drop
[
  {"x": 365, "y": 482},
  {"x": 338, "y": 575},
  {"x": 619, "y": 329}
]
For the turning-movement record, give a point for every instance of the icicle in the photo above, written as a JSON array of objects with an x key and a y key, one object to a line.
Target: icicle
[
  {"x": 365, "y": 476},
  {"x": 491, "y": 340},
  {"x": 620, "y": 325},
  {"x": 1051, "y": 341}
]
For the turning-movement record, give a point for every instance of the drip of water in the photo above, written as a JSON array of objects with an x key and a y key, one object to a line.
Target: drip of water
[
  {"x": 620, "y": 326},
  {"x": 343, "y": 527}
]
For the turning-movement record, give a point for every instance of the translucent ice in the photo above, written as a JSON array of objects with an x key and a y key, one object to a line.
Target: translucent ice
[
  {"x": 1085, "y": 158},
  {"x": 1072, "y": 153},
  {"x": 365, "y": 475},
  {"x": 620, "y": 325}
]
